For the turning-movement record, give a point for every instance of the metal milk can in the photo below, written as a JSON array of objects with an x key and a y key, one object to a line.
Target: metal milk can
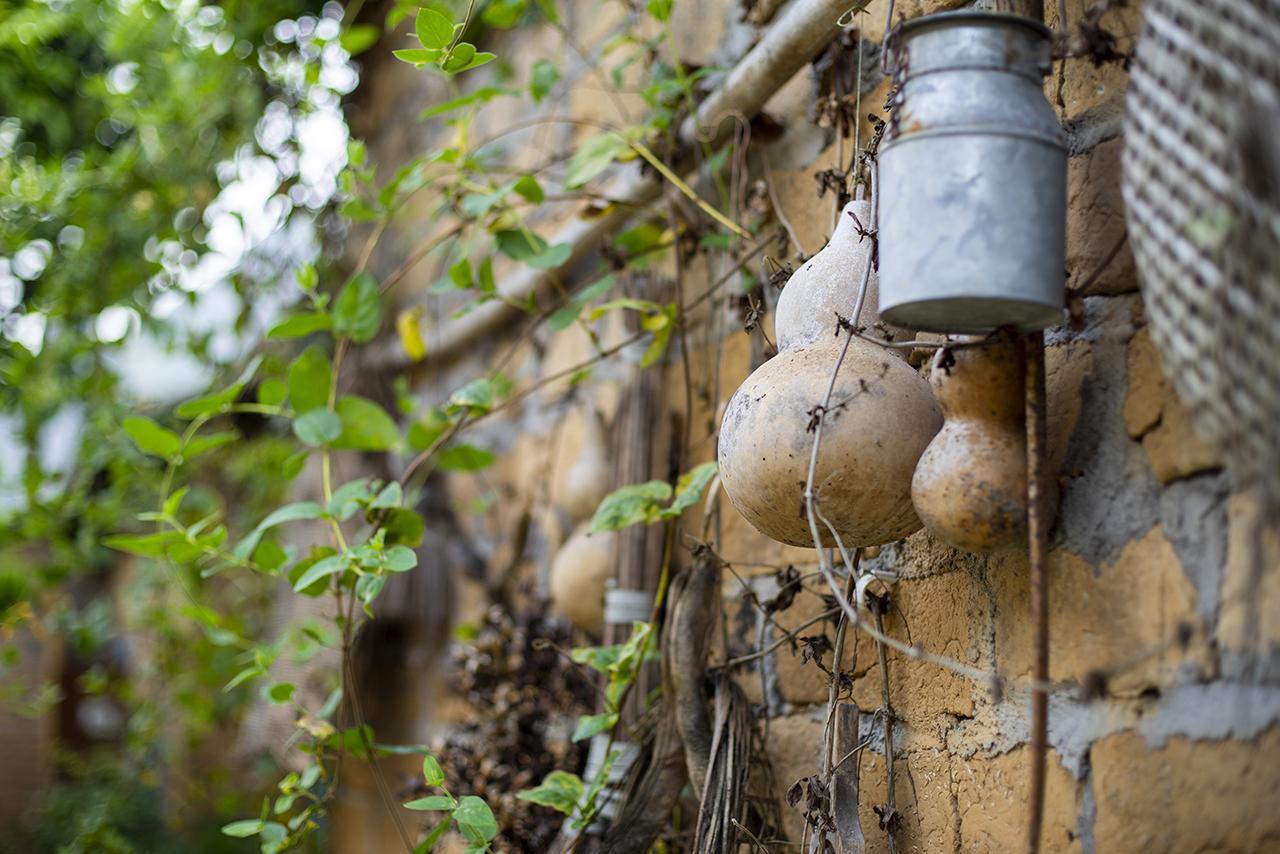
[{"x": 972, "y": 178}]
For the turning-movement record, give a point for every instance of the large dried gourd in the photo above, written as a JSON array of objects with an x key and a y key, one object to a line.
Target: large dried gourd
[{"x": 880, "y": 418}]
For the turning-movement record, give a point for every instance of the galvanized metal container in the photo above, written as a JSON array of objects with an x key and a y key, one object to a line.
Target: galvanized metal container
[{"x": 972, "y": 178}]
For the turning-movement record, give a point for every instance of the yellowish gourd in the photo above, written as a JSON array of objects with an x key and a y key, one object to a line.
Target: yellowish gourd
[{"x": 970, "y": 487}]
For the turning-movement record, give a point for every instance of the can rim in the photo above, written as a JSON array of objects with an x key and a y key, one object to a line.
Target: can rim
[{"x": 942, "y": 18}]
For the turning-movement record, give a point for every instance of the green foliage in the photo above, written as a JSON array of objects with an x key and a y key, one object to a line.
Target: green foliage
[
  {"x": 470, "y": 814},
  {"x": 645, "y": 503}
]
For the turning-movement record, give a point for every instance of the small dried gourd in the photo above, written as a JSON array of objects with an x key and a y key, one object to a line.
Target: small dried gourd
[
  {"x": 881, "y": 416},
  {"x": 970, "y": 487}
]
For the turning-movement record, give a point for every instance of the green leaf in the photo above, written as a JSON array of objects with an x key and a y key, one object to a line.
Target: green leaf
[
  {"x": 404, "y": 527},
  {"x": 390, "y": 496},
  {"x": 429, "y": 427},
  {"x": 203, "y": 444},
  {"x": 457, "y": 59},
  {"x": 318, "y": 427},
  {"x": 347, "y": 499},
  {"x": 272, "y": 392},
  {"x": 357, "y": 310},
  {"x": 434, "y": 29},
  {"x": 559, "y": 790},
  {"x": 301, "y": 325},
  {"x": 595, "y": 156},
  {"x": 368, "y": 587},
  {"x": 542, "y": 79},
  {"x": 463, "y": 457},
  {"x": 519, "y": 245},
  {"x": 366, "y": 426},
  {"x": 435, "y": 802},
  {"x": 475, "y": 398},
  {"x": 151, "y": 438},
  {"x": 399, "y": 559},
  {"x": 281, "y": 692},
  {"x": 360, "y": 38},
  {"x": 320, "y": 569},
  {"x": 480, "y": 96},
  {"x": 460, "y": 273},
  {"x": 661, "y": 325},
  {"x": 565, "y": 317},
  {"x": 660, "y": 9},
  {"x": 551, "y": 257},
  {"x": 472, "y": 812},
  {"x": 592, "y": 725},
  {"x": 432, "y": 773},
  {"x": 633, "y": 504},
  {"x": 689, "y": 488},
  {"x": 309, "y": 376},
  {"x": 417, "y": 56},
  {"x": 148, "y": 545},
  {"x": 528, "y": 188},
  {"x": 429, "y": 841},
  {"x": 243, "y": 829},
  {"x": 288, "y": 513}
]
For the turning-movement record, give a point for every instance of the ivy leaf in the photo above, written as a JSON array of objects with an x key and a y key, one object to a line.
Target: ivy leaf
[
  {"x": 301, "y": 325},
  {"x": 357, "y": 311},
  {"x": 365, "y": 426},
  {"x": 320, "y": 569},
  {"x": 689, "y": 488},
  {"x": 592, "y": 725},
  {"x": 308, "y": 380},
  {"x": 559, "y": 790},
  {"x": 464, "y": 458},
  {"x": 633, "y": 504},
  {"x": 318, "y": 427},
  {"x": 151, "y": 438},
  {"x": 595, "y": 156},
  {"x": 434, "y": 29},
  {"x": 474, "y": 814},
  {"x": 435, "y": 802}
]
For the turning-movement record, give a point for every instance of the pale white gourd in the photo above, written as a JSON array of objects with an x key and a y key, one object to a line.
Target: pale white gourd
[
  {"x": 586, "y": 483},
  {"x": 579, "y": 575},
  {"x": 881, "y": 418}
]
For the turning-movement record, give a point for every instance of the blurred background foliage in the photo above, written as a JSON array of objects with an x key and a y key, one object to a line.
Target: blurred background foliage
[{"x": 165, "y": 166}]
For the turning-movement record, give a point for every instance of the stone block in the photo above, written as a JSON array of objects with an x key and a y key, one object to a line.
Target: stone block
[
  {"x": 1187, "y": 795},
  {"x": 1127, "y": 610},
  {"x": 991, "y": 798},
  {"x": 1099, "y": 260},
  {"x": 1153, "y": 414}
]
